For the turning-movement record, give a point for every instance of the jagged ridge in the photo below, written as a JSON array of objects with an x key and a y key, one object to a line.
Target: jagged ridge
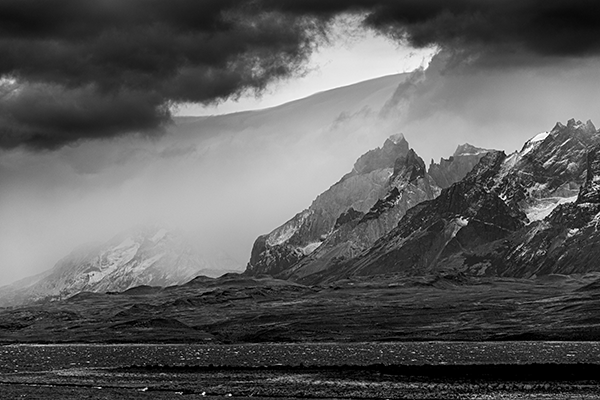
[
  {"x": 333, "y": 230},
  {"x": 488, "y": 223}
]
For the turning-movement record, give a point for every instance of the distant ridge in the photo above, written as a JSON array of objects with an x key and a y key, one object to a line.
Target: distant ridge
[{"x": 132, "y": 262}]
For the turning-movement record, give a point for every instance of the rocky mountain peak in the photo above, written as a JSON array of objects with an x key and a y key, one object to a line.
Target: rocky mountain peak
[
  {"x": 590, "y": 127},
  {"x": 453, "y": 169},
  {"x": 382, "y": 157},
  {"x": 575, "y": 125},
  {"x": 587, "y": 127},
  {"x": 343, "y": 202},
  {"x": 488, "y": 167},
  {"x": 352, "y": 214},
  {"x": 397, "y": 138},
  {"x": 467, "y": 149},
  {"x": 590, "y": 190},
  {"x": 410, "y": 166},
  {"x": 550, "y": 164},
  {"x": 559, "y": 126},
  {"x": 526, "y": 215}
]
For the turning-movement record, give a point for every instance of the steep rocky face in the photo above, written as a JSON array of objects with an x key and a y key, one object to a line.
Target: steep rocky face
[
  {"x": 590, "y": 190},
  {"x": 146, "y": 256},
  {"x": 464, "y": 215},
  {"x": 549, "y": 169},
  {"x": 453, "y": 169},
  {"x": 408, "y": 186},
  {"x": 565, "y": 242},
  {"x": 510, "y": 216},
  {"x": 354, "y": 213},
  {"x": 359, "y": 189}
]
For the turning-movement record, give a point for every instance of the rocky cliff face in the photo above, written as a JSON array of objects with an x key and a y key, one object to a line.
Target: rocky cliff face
[
  {"x": 358, "y": 190},
  {"x": 408, "y": 186},
  {"x": 453, "y": 169},
  {"x": 366, "y": 204},
  {"x": 510, "y": 216},
  {"x": 147, "y": 256},
  {"x": 565, "y": 242}
]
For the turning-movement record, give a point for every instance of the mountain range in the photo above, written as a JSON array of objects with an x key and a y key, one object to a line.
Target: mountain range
[
  {"x": 480, "y": 246},
  {"x": 148, "y": 255},
  {"x": 477, "y": 213},
  {"x": 480, "y": 212}
]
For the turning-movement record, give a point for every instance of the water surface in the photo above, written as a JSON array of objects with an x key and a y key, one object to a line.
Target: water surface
[{"x": 14, "y": 358}]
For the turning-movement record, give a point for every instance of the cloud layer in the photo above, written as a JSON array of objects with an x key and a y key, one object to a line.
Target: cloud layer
[
  {"x": 81, "y": 69},
  {"x": 86, "y": 69}
]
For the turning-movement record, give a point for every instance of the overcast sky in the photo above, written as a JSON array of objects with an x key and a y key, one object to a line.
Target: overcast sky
[
  {"x": 352, "y": 58},
  {"x": 89, "y": 88}
]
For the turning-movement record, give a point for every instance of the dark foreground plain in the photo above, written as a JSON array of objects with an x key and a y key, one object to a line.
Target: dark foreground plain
[
  {"x": 238, "y": 309},
  {"x": 441, "y": 336},
  {"x": 503, "y": 370}
]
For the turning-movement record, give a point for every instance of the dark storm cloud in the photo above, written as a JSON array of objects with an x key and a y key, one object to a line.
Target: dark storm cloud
[
  {"x": 79, "y": 69},
  {"x": 543, "y": 27}
]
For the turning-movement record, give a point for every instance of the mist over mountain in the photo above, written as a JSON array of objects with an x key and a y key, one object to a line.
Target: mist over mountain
[
  {"x": 211, "y": 177},
  {"x": 506, "y": 251},
  {"x": 150, "y": 256},
  {"x": 222, "y": 178}
]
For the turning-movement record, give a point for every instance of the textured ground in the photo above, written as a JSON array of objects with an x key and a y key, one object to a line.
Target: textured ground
[{"x": 242, "y": 310}]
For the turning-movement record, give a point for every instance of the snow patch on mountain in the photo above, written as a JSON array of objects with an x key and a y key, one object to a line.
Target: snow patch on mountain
[
  {"x": 462, "y": 221},
  {"x": 572, "y": 232},
  {"x": 287, "y": 230},
  {"x": 309, "y": 248},
  {"x": 122, "y": 254},
  {"x": 533, "y": 143},
  {"x": 539, "y": 137},
  {"x": 541, "y": 208}
]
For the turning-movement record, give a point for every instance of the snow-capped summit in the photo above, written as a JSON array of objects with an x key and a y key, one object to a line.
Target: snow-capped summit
[
  {"x": 147, "y": 255},
  {"x": 467, "y": 149},
  {"x": 397, "y": 138}
]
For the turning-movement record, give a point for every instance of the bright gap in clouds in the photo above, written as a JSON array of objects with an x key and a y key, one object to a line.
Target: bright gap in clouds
[{"x": 354, "y": 58}]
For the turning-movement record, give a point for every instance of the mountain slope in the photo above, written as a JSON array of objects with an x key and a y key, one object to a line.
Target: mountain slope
[
  {"x": 350, "y": 216},
  {"x": 359, "y": 189},
  {"x": 482, "y": 224},
  {"x": 146, "y": 256},
  {"x": 355, "y": 231},
  {"x": 565, "y": 242}
]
